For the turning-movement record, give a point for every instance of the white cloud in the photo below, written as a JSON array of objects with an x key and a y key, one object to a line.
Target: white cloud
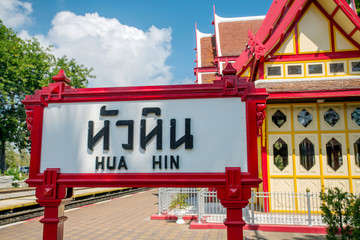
[
  {"x": 15, "y": 13},
  {"x": 121, "y": 55}
]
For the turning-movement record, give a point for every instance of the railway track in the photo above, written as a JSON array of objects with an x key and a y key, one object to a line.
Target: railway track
[{"x": 28, "y": 212}]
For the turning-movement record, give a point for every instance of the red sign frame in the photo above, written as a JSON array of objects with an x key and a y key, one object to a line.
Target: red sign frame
[{"x": 52, "y": 186}]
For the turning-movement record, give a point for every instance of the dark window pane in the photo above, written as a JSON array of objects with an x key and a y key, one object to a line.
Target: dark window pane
[
  {"x": 333, "y": 154},
  {"x": 279, "y": 118},
  {"x": 357, "y": 152},
  {"x": 305, "y": 118},
  {"x": 294, "y": 70},
  {"x": 355, "y": 66},
  {"x": 331, "y": 117},
  {"x": 307, "y": 154},
  {"x": 280, "y": 154},
  {"x": 274, "y": 71},
  {"x": 315, "y": 68},
  {"x": 336, "y": 67},
  {"x": 355, "y": 116}
]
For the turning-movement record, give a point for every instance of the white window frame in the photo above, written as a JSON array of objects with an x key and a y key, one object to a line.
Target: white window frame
[
  {"x": 294, "y": 75},
  {"x": 350, "y": 66},
  {"x": 267, "y": 66},
  {"x": 315, "y": 74},
  {"x": 338, "y": 73}
]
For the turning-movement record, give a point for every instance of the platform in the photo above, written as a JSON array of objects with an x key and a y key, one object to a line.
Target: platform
[{"x": 127, "y": 218}]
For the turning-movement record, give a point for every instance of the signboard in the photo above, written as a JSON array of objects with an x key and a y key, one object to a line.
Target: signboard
[
  {"x": 158, "y": 136},
  {"x": 181, "y": 135},
  {"x": 186, "y": 135}
]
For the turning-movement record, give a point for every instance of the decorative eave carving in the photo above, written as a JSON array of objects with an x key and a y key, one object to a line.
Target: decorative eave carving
[
  {"x": 260, "y": 116},
  {"x": 257, "y": 49},
  {"x": 29, "y": 118}
]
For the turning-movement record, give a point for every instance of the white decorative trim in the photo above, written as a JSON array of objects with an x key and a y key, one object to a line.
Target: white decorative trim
[
  {"x": 199, "y": 36},
  {"x": 237, "y": 19},
  {"x": 221, "y": 67},
  {"x": 200, "y": 81}
]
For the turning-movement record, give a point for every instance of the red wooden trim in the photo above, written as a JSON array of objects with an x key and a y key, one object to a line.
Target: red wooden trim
[
  {"x": 144, "y": 180},
  {"x": 332, "y": 37},
  {"x": 335, "y": 11},
  {"x": 206, "y": 69},
  {"x": 227, "y": 58},
  {"x": 265, "y": 176},
  {"x": 271, "y": 18},
  {"x": 315, "y": 56},
  {"x": 332, "y": 21},
  {"x": 194, "y": 91},
  {"x": 296, "y": 38},
  {"x": 261, "y": 70},
  {"x": 315, "y": 94},
  {"x": 349, "y": 12},
  {"x": 353, "y": 32},
  {"x": 36, "y": 137}
]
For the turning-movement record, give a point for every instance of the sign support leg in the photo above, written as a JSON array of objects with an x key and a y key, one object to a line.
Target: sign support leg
[
  {"x": 234, "y": 197},
  {"x": 53, "y": 198},
  {"x": 53, "y": 219},
  {"x": 234, "y": 219}
]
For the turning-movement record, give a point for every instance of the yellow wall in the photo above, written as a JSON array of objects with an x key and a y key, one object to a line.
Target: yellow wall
[{"x": 295, "y": 177}]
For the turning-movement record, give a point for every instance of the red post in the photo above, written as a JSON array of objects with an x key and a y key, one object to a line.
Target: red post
[
  {"x": 234, "y": 198},
  {"x": 53, "y": 198},
  {"x": 234, "y": 221}
]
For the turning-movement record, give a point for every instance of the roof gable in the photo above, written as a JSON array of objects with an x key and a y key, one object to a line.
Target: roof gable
[{"x": 312, "y": 20}]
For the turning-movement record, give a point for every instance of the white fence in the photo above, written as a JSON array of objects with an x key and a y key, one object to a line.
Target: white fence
[{"x": 263, "y": 208}]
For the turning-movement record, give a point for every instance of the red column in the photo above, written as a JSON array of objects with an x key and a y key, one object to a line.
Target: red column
[
  {"x": 234, "y": 198},
  {"x": 53, "y": 219},
  {"x": 53, "y": 198},
  {"x": 234, "y": 219}
]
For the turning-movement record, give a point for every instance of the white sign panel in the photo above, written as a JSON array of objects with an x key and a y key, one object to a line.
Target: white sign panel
[{"x": 164, "y": 136}]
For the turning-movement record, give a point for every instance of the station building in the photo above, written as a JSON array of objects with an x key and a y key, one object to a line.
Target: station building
[{"x": 306, "y": 53}]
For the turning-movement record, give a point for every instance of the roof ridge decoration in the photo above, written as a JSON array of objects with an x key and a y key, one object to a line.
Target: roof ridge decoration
[
  {"x": 236, "y": 19},
  {"x": 257, "y": 49}
]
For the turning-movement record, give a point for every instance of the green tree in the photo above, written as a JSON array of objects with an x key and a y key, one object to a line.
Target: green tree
[
  {"x": 357, "y": 4},
  {"x": 340, "y": 211},
  {"x": 24, "y": 67},
  {"x": 16, "y": 159}
]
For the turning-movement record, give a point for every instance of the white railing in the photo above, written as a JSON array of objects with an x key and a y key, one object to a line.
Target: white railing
[
  {"x": 263, "y": 208},
  {"x": 285, "y": 208},
  {"x": 167, "y": 194}
]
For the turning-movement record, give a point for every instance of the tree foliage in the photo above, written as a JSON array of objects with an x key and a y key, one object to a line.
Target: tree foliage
[
  {"x": 24, "y": 67},
  {"x": 357, "y": 4},
  {"x": 16, "y": 159},
  {"x": 340, "y": 211}
]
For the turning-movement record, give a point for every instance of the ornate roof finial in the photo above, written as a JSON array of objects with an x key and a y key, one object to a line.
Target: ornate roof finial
[
  {"x": 229, "y": 69},
  {"x": 61, "y": 77}
]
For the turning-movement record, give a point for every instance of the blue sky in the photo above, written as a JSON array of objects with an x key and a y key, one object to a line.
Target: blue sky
[{"x": 127, "y": 42}]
